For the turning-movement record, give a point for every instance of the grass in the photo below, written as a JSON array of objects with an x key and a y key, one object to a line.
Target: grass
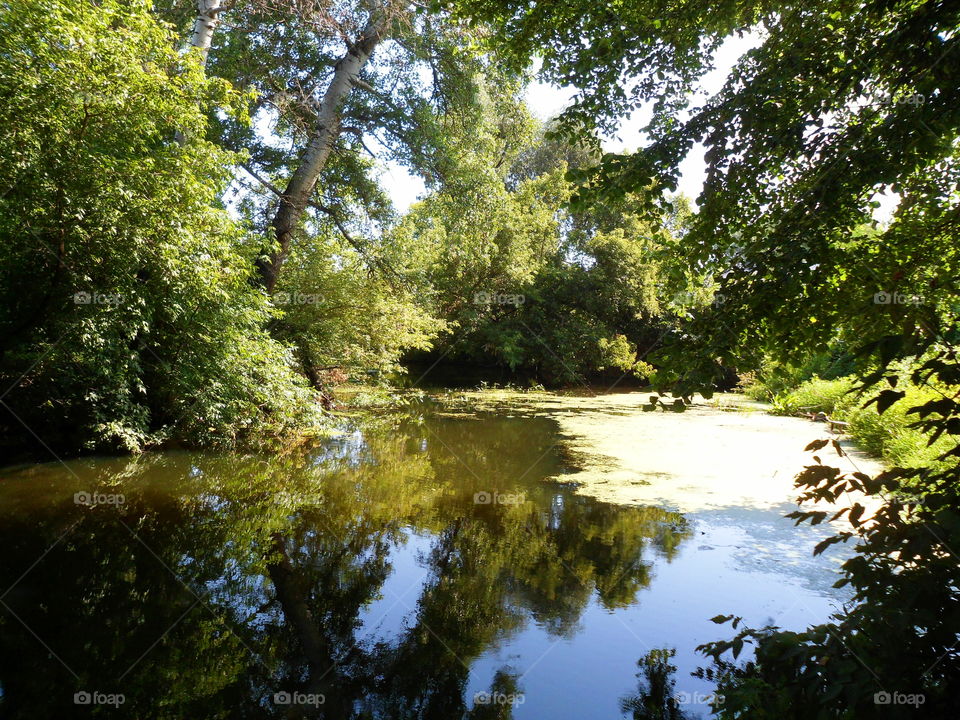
[
  {"x": 887, "y": 436},
  {"x": 814, "y": 395}
]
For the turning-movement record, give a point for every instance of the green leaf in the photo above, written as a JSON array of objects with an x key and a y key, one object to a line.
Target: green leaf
[{"x": 885, "y": 399}]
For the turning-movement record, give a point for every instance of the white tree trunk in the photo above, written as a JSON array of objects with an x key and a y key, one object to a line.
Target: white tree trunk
[
  {"x": 204, "y": 25},
  {"x": 296, "y": 196},
  {"x": 201, "y": 38}
]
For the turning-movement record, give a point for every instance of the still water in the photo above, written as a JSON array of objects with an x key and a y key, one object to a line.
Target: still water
[{"x": 424, "y": 566}]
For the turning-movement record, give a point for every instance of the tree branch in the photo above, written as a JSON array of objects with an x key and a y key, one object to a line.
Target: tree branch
[
  {"x": 266, "y": 183},
  {"x": 374, "y": 262}
]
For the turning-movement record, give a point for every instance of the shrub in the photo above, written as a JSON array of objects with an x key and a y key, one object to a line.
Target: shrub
[
  {"x": 773, "y": 379},
  {"x": 889, "y": 435},
  {"x": 814, "y": 395}
]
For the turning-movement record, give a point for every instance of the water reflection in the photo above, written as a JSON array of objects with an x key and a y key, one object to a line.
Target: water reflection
[
  {"x": 656, "y": 697},
  {"x": 227, "y": 586}
]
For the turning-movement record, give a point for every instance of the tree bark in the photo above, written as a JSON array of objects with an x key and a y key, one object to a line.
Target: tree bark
[
  {"x": 296, "y": 195},
  {"x": 204, "y": 25},
  {"x": 201, "y": 38}
]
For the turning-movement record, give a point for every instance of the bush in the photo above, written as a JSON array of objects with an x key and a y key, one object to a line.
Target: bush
[
  {"x": 773, "y": 379},
  {"x": 815, "y": 395},
  {"x": 888, "y": 435}
]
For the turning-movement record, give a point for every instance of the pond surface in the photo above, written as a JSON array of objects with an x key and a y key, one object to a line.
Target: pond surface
[{"x": 429, "y": 566}]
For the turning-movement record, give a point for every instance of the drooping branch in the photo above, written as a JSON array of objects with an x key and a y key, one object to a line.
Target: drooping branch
[
  {"x": 389, "y": 272},
  {"x": 263, "y": 181}
]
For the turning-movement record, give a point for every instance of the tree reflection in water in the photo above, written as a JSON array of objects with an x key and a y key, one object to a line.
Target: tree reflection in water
[
  {"x": 220, "y": 581},
  {"x": 655, "y": 698}
]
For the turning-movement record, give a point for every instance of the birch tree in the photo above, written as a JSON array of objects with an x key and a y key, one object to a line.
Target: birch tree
[
  {"x": 204, "y": 24},
  {"x": 340, "y": 88},
  {"x": 323, "y": 96},
  {"x": 326, "y": 128}
]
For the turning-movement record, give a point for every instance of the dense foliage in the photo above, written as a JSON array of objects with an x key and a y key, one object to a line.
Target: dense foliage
[
  {"x": 527, "y": 284},
  {"x": 153, "y": 183},
  {"x": 127, "y": 317}
]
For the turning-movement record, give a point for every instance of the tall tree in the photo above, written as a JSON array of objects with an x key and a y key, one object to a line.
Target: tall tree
[
  {"x": 327, "y": 126},
  {"x": 204, "y": 24},
  {"x": 322, "y": 98}
]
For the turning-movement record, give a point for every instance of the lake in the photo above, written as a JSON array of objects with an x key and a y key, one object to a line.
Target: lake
[{"x": 514, "y": 559}]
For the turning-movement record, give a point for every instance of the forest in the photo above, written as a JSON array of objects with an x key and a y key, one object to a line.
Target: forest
[{"x": 203, "y": 249}]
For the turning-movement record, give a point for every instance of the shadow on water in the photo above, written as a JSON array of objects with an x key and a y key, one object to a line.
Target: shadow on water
[{"x": 200, "y": 585}]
